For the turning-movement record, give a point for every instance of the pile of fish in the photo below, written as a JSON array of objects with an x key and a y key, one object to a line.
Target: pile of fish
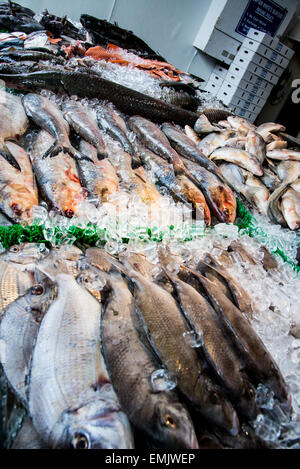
[
  {"x": 73, "y": 152},
  {"x": 261, "y": 164},
  {"x": 106, "y": 352}
]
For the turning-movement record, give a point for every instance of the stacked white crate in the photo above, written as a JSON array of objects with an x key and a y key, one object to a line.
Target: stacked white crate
[{"x": 256, "y": 68}]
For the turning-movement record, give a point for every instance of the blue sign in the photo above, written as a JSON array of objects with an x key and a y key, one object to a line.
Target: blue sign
[{"x": 264, "y": 15}]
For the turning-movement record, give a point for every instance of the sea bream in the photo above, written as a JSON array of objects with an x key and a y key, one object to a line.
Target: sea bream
[
  {"x": 18, "y": 191},
  {"x": 18, "y": 332},
  {"x": 71, "y": 399},
  {"x": 57, "y": 176}
]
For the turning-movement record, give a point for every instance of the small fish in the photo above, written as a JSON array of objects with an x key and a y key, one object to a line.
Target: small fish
[
  {"x": 18, "y": 191},
  {"x": 255, "y": 145},
  {"x": 240, "y": 157},
  {"x": 266, "y": 130},
  {"x": 240, "y": 124},
  {"x": 57, "y": 177},
  {"x": 273, "y": 208},
  {"x": 48, "y": 116},
  {"x": 213, "y": 141},
  {"x": 284, "y": 154},
  {"x": 152, "y": 137},
  {"x": 97, "y": 176},
  {"x": 71, "y": 399},
  {"x": 270, "y": 179},
  {"x": 185, "y": 147},
  {"x": 236, "y": 142},
  {"x": 84, "y": 123},
  {"x": 288, "y": 171},
  {"x": 290, "y": 208},
  {"x": 260, "y": 194},
  {"x": 203, "y": 126},
  {"x": 111, "y": 122}
]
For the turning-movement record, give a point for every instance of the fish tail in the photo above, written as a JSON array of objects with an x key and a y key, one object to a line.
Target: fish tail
[{"x": 53, "y": 150}]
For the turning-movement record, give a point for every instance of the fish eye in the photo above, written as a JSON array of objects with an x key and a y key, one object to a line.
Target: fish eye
[
  {"x": 251, "y": 393},
  {"x": 214, "y": 398},
  {"x": 80, "y": 441},
  {"x": 15, "y": 249},
  {"x": 169, "y": 421},
  {"x": 37, "y": 289}
]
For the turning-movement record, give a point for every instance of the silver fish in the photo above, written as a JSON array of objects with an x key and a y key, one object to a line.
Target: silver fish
[
  {"x": 240, "y": 157},
  {"x": 71, "y": 399},
  {"x": 255, "y": 145},
  {"x": 83, "y": 121}
]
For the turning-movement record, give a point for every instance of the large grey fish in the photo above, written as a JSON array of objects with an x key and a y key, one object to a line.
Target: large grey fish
[
  {"x": 47, "y": 115},
  {"x": 131, "y": 366},
  {"x": 57, "y": 177},
  {"x": 218, "y": 195},
  {"x": 71, "y": 400},
  {"x": 240, "y": 157},
  {"x": 166, "y": 328},
  {"x": 97, "y": 176},
  {"x": 217, "y": 349},
  {"x": 258, "y": 361},
  {"x": 83, "y": 121},
  {"x": 111, "y": 122},
  {"x": 187, "y": 148},
  {"x": 152, "y": 137},
  {"x": 18, "y": 332},
  {"x": 87, "y": 84},
  {"x": 18, "y": 190},
  {"x": 13, "y": 123}
]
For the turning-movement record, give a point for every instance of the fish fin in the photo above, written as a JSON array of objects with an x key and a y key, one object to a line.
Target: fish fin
[
  {"x": 8, "y": 156},
  {"x": 53, "y": 150},
  {"x": 53, "y": 265}
]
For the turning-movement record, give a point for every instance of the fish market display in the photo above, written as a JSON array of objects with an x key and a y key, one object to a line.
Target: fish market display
[{"x": 136, "y": 310}]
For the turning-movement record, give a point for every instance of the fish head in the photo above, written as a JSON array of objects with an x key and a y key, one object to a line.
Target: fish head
[
  {"x": 173, "y": 425},
  {"x": 225, "y": 202},
  {"x": 40, "y": 296},
  {"x": 92, "y": 278},
  {"x": 100, "y": 424},
  {"x": 219, "y": 410},
  {"x": 25, "y": 253}
]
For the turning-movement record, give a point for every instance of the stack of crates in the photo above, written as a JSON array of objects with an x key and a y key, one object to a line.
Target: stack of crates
[{"x": 256, "y": 68}]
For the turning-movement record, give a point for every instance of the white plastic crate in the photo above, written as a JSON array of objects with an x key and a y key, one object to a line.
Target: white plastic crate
[
  {"x": 228, "y": 92},
  {"x": 220, "y": 71},
  {"x": 247, "y": 55},
  {"x": 242, "y": 72},
  {"x": 270, "y": 42},
  {"x": 213, "y": 86}
]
